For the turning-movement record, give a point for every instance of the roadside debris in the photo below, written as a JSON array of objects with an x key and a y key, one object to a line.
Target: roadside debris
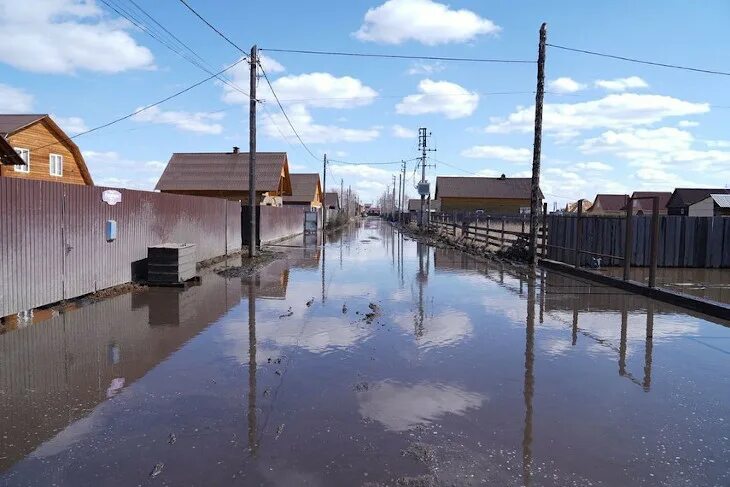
[
  {"x": 310, "y": 302},
  {"x": 344, "y": 308},
  {"x": 157, "y": 469},
  {"x": 172, "y": 439},
  {"x": 279, "y": 431},
  {"x": 288, "y": 313}
]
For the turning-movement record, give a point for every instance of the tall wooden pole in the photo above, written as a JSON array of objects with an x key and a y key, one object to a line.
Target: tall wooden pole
[
  {"x": 654, "y": 255},
  {"x": 535, "y": 187},
  {"x": 324, "y": 184},
  {"x": 628, "y": 239},
  {"x": 252, "y": 155}
]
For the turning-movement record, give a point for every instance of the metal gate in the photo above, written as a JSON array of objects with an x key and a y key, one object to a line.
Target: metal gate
[{"x": 310, "y": 222}]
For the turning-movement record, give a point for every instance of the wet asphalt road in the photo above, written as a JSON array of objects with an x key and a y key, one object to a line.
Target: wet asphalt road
[{"x": 372, "y": 361}]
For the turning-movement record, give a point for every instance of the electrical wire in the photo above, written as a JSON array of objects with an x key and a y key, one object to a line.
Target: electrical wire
[
  {"x": 640, "y": 61},
  {"x": 213, "y": 27},
  {"x": 372, "y": 163},
  {"x": 400, "y": 56},
  {"x": 281, "y": 107},
  {"x": 147, "y": 107}
]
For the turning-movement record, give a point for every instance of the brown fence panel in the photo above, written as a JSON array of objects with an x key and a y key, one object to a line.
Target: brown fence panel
[
  {"x": 53, "y": 242},
  {"x": 281, "y": 222}
]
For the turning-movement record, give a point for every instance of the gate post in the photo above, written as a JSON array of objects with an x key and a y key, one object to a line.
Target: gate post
[
  {"x": 578, "y": 235},
  {"x": 654, "y": 241},
  {"x": 628, "y": 242}
]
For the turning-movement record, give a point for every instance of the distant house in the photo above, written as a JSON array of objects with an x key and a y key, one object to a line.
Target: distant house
[
  {"x": 495, "y": 196},
  {"x": 332, "y": 200},
  {"x": 306, "y": 190},
  {"x": 646, "y": 206},
  {"x": 713, "y": 205},
  {"x": 683, "y": 198},
  {"x": 47, "y": 152},
  {"x": 609, "y": 204},
  {"x": 225, "y": 175},
  {"x": 414, "y": 206},
  {"x": 573, "y": 207}
]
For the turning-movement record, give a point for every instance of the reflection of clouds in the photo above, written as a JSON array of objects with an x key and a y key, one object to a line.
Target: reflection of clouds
[
  {"x": 344, "y": 290},
  {"x": 317, "y": 334},
  {"x": 555, "y": 346},
  {"x": 446, "y": 328},
  {"x": 400, "y": 407}
]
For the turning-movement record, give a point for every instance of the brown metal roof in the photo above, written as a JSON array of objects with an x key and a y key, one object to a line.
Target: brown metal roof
[
  {"x": 647, "y": 205},
  {"x": 332, "y": 199},
  {"x": 609, "y": 202},
  {"x": 221, "y": 171},
  {"x": 688, "y": 196},
  {"x": 10, "y": 123},
  {"x": 8, "y": 156},
  {"x": 481, "y": 187},
  {"x": 303, "y": 187}
]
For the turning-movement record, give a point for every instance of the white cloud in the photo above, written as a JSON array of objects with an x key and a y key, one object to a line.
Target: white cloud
[
  {"x": 420, "y": 68},
  {"x": 63, "y": 36},
  {"x": 621, "y": 84},
  {"x": 688, "y": 123},
  {"x": 403, "y": 132},
  {"x": 362, "y": 171},
  {"x": 719, "y": 144},
  {"x": 512, "y": 154},
  {"x": 400, "y": 407},
  {"x": 15, "y": 100},
  {"x": 443, "y": 97},
  {"x": 275, "y": 125},
  {"x": 664, "y": 139},
  {"x": 198, "y": 122},
  {"x": 565, "y": 85},
  {"x": 424, "y": 21},
  {"x": 71, "y": 125},
  {"x": 109, "y": 168},
  {"x": 593, "y": 166},
  {"x": 269, "y": 64},
  {"x": 616, "y": 111}
]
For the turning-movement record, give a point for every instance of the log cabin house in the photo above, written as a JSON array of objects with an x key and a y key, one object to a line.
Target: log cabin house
[
  {"x": 493, "y": 196},
  {"x": 47, "y": 152},
  {"x": 225, "y": 175}
]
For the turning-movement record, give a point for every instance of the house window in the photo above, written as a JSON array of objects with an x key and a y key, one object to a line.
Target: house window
[
  {"x": 25, "y": 155},
  {"x": 55, "y": 163}
]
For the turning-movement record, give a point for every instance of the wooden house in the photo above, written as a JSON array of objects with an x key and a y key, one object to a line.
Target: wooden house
[
  {"x": 332, "y": 200},
  {"x": 493, "y": 196},
  {"x": 683, "y": 198},
  {"x": 225, "y": 175},
  {"x": 306, "y": 190},
  {"x": 645, "y": 206},
  {"x": 47, "y": 152},
  {"x": 609, "y": 204}
]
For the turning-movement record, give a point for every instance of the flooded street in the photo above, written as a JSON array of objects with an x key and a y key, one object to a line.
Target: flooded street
[{"x": 374, "y": 360}]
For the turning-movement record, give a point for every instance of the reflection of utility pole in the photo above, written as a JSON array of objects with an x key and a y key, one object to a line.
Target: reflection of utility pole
[
  {"x": 420, "y": 278},
  {"x": 575, "y": 321},
  {"x": 622, "y": 343},
  {"x": 323, "y": 262},
  {"x": 529, "y": 385},
  {"x": 252, "y": 428},
  {"x": 649, "y": 344}
]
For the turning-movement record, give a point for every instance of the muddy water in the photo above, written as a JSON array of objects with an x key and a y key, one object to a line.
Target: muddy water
[{"x": 374, "y": 360}]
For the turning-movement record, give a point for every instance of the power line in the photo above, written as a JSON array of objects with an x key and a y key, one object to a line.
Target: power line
[
  {"x": 640, "y": 61},
  {"x": 453, "y": 167},
  {"x": 281, "y": 107},
  {"x": 400, "y": 56},
  {"x": 213, "y": 27},
  {"x": 371, "y": 163},
  {"x": 147, "y": 107}
]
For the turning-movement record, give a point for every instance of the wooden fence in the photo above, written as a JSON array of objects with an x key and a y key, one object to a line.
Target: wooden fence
[
  {"x": 491, "y": 232},
  {"x": 683, "y": 241}
]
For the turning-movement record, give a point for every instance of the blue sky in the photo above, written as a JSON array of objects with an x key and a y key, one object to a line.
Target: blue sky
[{"x": 610, "y": 126}]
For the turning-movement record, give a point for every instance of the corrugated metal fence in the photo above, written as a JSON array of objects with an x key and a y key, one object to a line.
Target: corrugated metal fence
[
  {"x": 684, "y": 241},
  {"x": 53, "y": 244},
  {"x": 275, "y": 222}
]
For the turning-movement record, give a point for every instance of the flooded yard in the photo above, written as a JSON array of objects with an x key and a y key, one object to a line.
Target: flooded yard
[{"x": 374, "y": 360}]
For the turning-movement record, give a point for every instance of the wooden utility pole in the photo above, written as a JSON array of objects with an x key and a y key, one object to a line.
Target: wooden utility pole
[
  {"x": 324, "y": 185},
  {"x": 252, "y": 155},
  {"x": 422, "y": 138},
  {"x": 400, "y": 196},
  {"x": 403, "y": 194},
  {"x": 342, "y": 194},
  {"x": 535, "y": 186}
]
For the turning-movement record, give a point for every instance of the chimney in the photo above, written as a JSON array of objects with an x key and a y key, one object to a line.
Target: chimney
[{"x": 235, "y": 149}]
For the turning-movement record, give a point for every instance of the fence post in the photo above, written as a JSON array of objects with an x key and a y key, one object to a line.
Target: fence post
[
  {"x": 544, "y": 230},
  {"x": 628, "y": 242},
  {"x": 578, "y": 235},
  {"x": 502, "y": 237},
  {"x": 654, "y": 241}
]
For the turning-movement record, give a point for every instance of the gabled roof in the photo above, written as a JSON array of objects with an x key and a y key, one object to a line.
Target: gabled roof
[
  {"x": 647, "y": 205},
  {"x": 13, "y": 123},
  {"x": 721, "y": 200},
  {"x": 609, "y": 202},
  {"x": 481, "y": 187},
  {"x": 332, "y": 199},
  {"x": 688, "y": 196},
  {"x": 10, "y": 123},
  {"x": 222, "y": 171},
  {"x": 8, "y": 156},
  {"x": 303, "y": 187}
]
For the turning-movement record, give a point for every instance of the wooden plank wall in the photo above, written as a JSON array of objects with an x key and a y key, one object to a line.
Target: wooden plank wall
[{"x": 683, "y": 241}]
